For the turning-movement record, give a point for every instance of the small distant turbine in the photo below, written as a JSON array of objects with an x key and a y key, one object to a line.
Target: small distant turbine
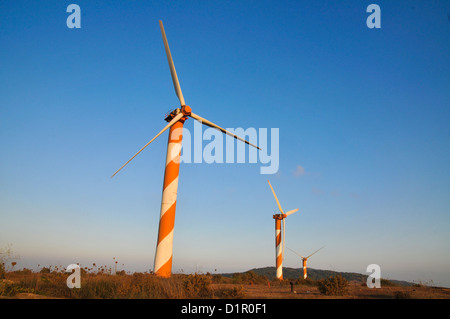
[
  {"x": 304, "y": 260},
  {"x": 280, "y": 240}
]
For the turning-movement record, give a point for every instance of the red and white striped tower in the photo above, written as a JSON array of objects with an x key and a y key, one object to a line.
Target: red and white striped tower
[
  {"x": 164, "y": 247},
  {"x": 304, "y": 268},
  {"x": 278, "y": 246}
]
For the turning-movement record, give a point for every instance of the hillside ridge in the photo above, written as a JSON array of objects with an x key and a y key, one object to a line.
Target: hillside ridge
[{"x": 314, "y": 274}]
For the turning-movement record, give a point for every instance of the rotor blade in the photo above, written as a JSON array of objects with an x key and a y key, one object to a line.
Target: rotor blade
[
  {"x": 295, "y": 252},
  {"x": 173, "y": 72},
  {"x": 315, "y": 252},
  {"x": 291, "y": 212},
  {"x": 172, "y": 122},
  {"x": 278, "y": 203},
  {"x": 211, "y": 124}
]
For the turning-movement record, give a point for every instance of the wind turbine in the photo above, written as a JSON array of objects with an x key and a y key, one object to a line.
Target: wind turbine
[
  {"x": 280, "y": 240},
  {"x": 176, "y": 119},
  {"x": 304, "y": 260}
]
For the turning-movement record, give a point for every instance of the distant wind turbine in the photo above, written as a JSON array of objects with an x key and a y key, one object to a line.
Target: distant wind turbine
[
  {"x": 280, "y": 240},
  {"x": 304, "y": 260}
]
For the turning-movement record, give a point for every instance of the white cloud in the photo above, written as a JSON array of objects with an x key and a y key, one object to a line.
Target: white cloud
[{"x": 299, "y": 171}]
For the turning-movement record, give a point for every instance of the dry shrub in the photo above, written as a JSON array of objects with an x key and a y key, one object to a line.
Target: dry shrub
[
  {"x": 99, "y": 286},
  {"x": 306, "y": 282},
  {"x": 333, "y": 286},
  {"x": 2, "y": 270},
  {"x": 402, "y": 295},
  {"x": 50, "y": 284},
  {"x": 45, "y": 270},
  {"x": 197, "y": 286},
  {"x": 136, "y": 286},
  {"x": 219, "y": 279},
  {"x": 248, "y": 278},
  {"x": 23, "y": 272},
  {"x": 232, "y": 293},
  {"x": 106, "y": 286},
  {"x": 10, "y": 289}
]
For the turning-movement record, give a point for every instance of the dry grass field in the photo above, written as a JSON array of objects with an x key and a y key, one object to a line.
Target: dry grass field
[
  {"x": 26, "y": 284},
  {"x": 355, "y": 291}
]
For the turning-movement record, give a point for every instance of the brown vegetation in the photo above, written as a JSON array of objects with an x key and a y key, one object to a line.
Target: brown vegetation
[
  {"x": 334, "y": 286},
  {"x": 97, "y": 284}
]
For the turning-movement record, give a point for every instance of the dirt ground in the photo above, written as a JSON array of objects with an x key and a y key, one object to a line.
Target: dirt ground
[
  {"x": 355, "y": 291},
  {"x": 278, "y": 291}
]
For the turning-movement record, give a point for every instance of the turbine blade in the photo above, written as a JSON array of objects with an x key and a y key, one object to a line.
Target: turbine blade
[
  {"x": 295, "y": 253},
  {"x": 172, "y": 122},
  {"x": 315, "y": 252},
  {"x": 173, "y": 72},
  {"x": 291, "y": 212},
  {"x": 211, "y": 124},
  {"x": 275, "y": 195}
]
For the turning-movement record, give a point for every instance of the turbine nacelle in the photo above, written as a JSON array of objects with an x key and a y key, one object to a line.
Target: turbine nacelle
[
  {"x": 185, "y": 109},
  {"x": 279, "y": 216},
  {"x": 304, "y": 259}
]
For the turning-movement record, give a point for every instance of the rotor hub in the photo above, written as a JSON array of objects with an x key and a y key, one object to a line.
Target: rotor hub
[{"x": 186, "y": 110}]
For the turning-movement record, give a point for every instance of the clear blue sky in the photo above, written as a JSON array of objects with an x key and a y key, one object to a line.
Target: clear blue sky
[{"x": 363, "y": 113}]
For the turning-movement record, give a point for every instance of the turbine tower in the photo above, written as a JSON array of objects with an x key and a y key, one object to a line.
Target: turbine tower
[
  {"x": 176, "y": 119},
  {"x": 304, "y": 260},
  {"x": 279, "y": 239}
]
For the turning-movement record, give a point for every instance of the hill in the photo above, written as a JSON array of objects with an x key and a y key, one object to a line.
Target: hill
[{"x": 315, "y": 274}]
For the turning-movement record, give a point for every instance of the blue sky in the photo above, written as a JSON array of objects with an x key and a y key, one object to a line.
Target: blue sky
[{"x": 363, "y": 113}]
